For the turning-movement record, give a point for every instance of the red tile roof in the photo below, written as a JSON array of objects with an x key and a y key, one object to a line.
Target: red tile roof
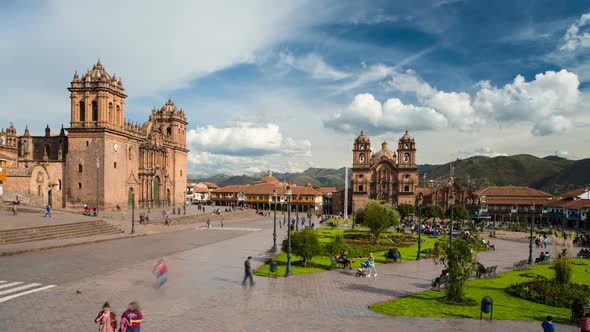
[
  {"x": 511, "y": 191},
  {"x": 573, "y": 193}
]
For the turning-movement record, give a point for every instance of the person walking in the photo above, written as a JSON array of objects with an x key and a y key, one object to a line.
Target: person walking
[
  {"x": 107, "y": 319},
  {"x": 166, "y": 218},
  {"x": 545, "y": 241},
  {"x": 548, "y": 325},
  {"x": 133, "y": 317},
  {"x": 13, "y": 208},
  {"x": 47, "y": 211},
  {"x": 161, "y": 272},
  {"x": 248, "y": 272},
  {"x": 372, "y": 269},
  {"x": 222, "y": 222}
]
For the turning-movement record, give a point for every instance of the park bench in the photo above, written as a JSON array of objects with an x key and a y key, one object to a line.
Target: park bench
[
  {"x": 334, "y": 263},
  {"x": 490, "y": 272},
  {"x": 585, "y": 255},
  {"x": 439, "y": 282},
  {"x": 520, "y": 265},
  {"x": 545, "y": 260}
]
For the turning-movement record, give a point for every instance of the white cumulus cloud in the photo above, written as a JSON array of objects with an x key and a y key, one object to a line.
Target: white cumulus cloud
[
  {"x": 367, "y": 113},
  {"x": 555, "y": 124}
]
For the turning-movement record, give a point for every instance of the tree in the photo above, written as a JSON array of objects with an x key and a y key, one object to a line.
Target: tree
[
  {"x": 378, "y": 218},
  {"x": 460, "y": 263},
  {"x": 304, "y": 244},
  {"x": 432, "y": 211},
  {"x": 405, "y": 210},
  {"x": 459, "y": 212}
]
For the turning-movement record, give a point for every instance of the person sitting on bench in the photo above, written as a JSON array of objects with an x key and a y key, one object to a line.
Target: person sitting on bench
[{"x": 345, "y": 260}]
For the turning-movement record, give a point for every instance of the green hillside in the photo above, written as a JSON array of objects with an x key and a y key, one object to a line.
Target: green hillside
[{"x": 551, "y": 174}]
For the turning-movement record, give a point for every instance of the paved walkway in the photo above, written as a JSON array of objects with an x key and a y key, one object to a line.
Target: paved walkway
[{"x": 204, "y": 291}]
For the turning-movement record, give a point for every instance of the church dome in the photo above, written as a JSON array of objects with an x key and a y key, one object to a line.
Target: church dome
[
  {"x": 384, "y": 153},
  {"x": 407, "y": 137},
  {"x": 169, "y": 108},
  {"x": 362, "y": 139},
  {"x": 98, "y": 73}
]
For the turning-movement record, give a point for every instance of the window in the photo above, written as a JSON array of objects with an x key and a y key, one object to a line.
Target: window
[
  {"x": 87, "y": 143},
  {"x": 118, "y": 115},
  {"x": 95, "y": 111},
  {"x": 80, "y": 168},
  {"x": 361, "y": 188},
  {"x": 169, "y": 131},
  {"x": 130, "y": 153},
  {"x": 79, "y": 185},
  {"x": 407, "y": 176},
  {"x": 39, "y": 191},
  {"x": 115, "y": 165},
  {"x": 47, "y": 150},
  {"x": 110, "y": 112},
  {"x": 406, "y": 188},
  {"x": 59, "y": 184},
  {"x": 82, "y": 111}
]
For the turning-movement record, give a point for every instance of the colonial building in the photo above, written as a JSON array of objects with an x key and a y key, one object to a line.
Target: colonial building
[
  {"x": 512, "y": 203},
  {"x": 270, "y": 193},
  {"x": 385, "y": 175},
  {"x": 103, "y": 159}
]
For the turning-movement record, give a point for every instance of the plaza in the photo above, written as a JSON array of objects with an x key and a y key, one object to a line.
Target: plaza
[{"x": 204, "y": 292}]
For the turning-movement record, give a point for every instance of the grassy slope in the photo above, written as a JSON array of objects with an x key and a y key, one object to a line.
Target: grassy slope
[{"x": 506, "y": 307}]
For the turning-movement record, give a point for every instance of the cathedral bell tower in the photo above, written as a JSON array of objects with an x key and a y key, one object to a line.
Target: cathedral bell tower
[
  {"x": 361, "y": 171},
  {"x": 408, "y": 172}
]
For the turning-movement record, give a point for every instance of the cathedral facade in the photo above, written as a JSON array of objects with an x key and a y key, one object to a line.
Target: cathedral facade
[
  {"x": 103, "y": 159},
  {"x": 390, "y": 177}
]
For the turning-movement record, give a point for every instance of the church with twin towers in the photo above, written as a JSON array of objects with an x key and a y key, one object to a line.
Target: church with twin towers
[{"x": 101, "y": 158}]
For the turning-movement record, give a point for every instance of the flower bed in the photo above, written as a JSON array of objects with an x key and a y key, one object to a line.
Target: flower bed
[{"x": 547, "y": 292}]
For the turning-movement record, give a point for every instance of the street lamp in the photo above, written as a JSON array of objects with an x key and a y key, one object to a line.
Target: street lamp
[
  {"x": 419, "y": 205},
  {"x": 132, "y": 211},
  {"x": 297, "y": 213},
  {"x": 97, "y": 167},
  {"x": 274, "y": 233},
  {"x": 451, "y": 205},
  {"x": 289, "y": 272},
  {"x": 531, "y": 237},
  {"x": 329, "y": 204}
]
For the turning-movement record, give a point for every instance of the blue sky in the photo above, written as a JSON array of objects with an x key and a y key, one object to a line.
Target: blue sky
[{"x": 288, "y": 85}]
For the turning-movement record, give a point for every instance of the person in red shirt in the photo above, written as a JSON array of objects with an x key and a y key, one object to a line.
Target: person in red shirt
[
  {"x": 161, "y": 272},
  {"x": 133, "y": 316}
]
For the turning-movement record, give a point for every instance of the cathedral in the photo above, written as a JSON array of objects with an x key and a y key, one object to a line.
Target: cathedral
[
  {"x": 385, "y": 176},
  {"x": 103, "y": 159}
]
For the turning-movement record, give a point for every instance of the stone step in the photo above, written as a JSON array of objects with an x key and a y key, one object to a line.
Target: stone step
[
  {"x": 98, "y": 229},
  {"x": 62, "y": 236},
  {"x": 61, "y": 231},
  {"x": 51, "y": 227}
]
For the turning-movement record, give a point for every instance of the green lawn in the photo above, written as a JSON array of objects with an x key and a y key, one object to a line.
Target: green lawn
[
  {"x": 506, "y": 307},
  {"x": 322, "y": 263}
]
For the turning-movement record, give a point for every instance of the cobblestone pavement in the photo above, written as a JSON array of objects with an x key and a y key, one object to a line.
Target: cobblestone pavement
[{"x": 203, "y": 292}]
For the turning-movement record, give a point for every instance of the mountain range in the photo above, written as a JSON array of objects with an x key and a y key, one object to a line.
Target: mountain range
[{"x": 552, "y": 174}]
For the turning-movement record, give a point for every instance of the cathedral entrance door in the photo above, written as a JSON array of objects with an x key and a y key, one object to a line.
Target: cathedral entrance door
[
  {"x": 49, "y": 198},
  {"x": 157, "y": 191},
  {"x": 168, "y": 196}
]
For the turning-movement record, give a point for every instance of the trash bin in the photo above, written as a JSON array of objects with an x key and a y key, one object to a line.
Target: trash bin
[
  {"x": 273, "y": 267},
  {"x": 487, "y": 306}
]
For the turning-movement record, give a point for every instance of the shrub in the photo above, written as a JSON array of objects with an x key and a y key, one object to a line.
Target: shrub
[
  {"x": 378, "y": 218},
  {"x": 548, "y": 292},
  {"x": 304, "y": 244},
  {"x": 336, "y": 246},
  {"x": 461, "y": 265}
]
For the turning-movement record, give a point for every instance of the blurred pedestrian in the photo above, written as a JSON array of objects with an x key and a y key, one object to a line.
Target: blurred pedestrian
[
  {"x": 208, "y": 223},
  {"x": 13, "y": 208},
  {"x": 107, "y": 319},
  {"x": 222, "y": 222},
  {"x": 248, "y": 272},
  {"x": 166, "y": 218},
  {"x": 161, "y": 272},
  {"x": 548, "y": 325},
  {"x": 133, "y": 316},
  {"x": 47, "y": 211}
]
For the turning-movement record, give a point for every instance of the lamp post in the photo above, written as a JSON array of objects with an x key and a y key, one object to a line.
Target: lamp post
[
  {"x": 329, "y": 203},
  {"x": 451, "y": 205},
  {"x": 274, "y": 233},
  {"x": 132, "y": 211},
  {"x": 289, "y": 271},
  {"x": 419, "y": 205},
  {"x": 97, "y": 172},
  {"x": 297, "y": 212},
  {"x": 531, "y": 236}
]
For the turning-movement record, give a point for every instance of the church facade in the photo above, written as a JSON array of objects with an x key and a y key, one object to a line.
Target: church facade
[
  {"x": 390, "y": 177},
  {"x": 103, "y": 159}
]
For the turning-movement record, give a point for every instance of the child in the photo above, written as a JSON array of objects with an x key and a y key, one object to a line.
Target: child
[
  {"x": 107, "y": 319},
  {"x": 548, "y": 325},
  {"x": 161, "y": 272}
]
